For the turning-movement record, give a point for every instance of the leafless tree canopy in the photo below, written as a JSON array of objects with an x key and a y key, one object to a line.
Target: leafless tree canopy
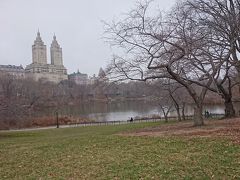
[{"x": 197, "y": 43}]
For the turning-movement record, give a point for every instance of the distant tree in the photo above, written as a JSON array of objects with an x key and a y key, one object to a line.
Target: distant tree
[
  {"x": 13, "y": 112},
  {"x": 165, "y": 105}
]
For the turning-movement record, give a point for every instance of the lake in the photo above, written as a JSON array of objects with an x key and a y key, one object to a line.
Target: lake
[{"x": 122, "y": 111}]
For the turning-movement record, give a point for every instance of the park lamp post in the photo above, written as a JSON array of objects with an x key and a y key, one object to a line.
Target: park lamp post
[{"x": 57, "y": 119}]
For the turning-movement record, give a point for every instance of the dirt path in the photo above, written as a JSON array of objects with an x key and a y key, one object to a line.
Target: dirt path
[{"x": 229, "y": 128}]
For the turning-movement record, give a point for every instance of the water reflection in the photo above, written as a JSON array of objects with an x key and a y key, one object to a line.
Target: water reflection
[{"x": 123, "y": 111}]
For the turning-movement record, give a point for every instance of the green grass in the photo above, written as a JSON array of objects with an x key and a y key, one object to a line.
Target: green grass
[{"x": 98, "y": 153}]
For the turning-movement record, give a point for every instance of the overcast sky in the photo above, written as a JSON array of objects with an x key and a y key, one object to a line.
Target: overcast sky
[{"x": 76, "y": 23}]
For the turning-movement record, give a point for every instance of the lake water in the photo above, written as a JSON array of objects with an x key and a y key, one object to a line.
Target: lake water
[{"x": 122, "y": 111}]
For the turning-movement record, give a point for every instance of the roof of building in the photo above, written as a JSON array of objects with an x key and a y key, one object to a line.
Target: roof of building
[
  {"x": 101, "y": 73},
  {"x": 12, "y": 67},
  {"x": 77, "y": 74}
]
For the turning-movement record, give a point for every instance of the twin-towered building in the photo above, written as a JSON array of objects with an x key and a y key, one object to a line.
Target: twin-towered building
[
  {"x": 54, "y": 71},
  {"x": 40, "y": 69}
]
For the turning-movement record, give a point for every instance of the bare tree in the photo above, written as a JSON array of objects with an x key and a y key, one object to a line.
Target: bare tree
[
  {"x": 165, "y": 105},
  {"x": 13, "y": 112},
  {"x": 222, "y": 17},
  {"x": 220, "y": 47},
  {"x": 178, "y": 102},
  {"x": 172, "y": 91},
  {"x": 155, "y": 49}
]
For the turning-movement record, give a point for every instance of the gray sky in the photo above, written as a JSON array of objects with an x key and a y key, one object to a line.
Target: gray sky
[{"x": 76, "y": 23}]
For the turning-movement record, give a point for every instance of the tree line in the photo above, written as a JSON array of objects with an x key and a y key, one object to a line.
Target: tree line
[{"x": 21, "y": 100}]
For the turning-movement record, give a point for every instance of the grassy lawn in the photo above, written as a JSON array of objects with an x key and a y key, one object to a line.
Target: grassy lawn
[{"x": 98, "y": 153}]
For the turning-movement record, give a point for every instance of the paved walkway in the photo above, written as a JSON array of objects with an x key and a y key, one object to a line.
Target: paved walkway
[{"x": 107, "y": 123}]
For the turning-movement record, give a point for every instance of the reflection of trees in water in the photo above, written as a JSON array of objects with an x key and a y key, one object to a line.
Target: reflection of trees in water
[
  {"x": 122, "y": 110},
  {"x": 99, "y": 107}
]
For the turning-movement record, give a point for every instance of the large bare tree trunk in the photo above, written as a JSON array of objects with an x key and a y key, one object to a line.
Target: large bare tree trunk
[
  {"x": 238, "y": 77},
  {"x": 227, "y": 96},
  {"x": 229, "y": 109},
  {"x": 166, "y": 118},
  {"x": 179, "y": 114},
  {"x": 183, "y": 112},
  {"x": 198, "y": 118}
]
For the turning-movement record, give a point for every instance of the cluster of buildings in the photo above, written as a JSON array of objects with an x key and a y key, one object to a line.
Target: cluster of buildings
[{"x": 54, "y": 72}]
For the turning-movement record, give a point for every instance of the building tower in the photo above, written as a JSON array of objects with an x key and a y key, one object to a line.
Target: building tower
[
  {"x": 40, "y": 69},
  {"x": 56, "y": 53},
  {"x": 39, "y": 51}
]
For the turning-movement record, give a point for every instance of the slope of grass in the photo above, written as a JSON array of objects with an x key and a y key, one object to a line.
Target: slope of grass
[{"x": 98, "y": 153}]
